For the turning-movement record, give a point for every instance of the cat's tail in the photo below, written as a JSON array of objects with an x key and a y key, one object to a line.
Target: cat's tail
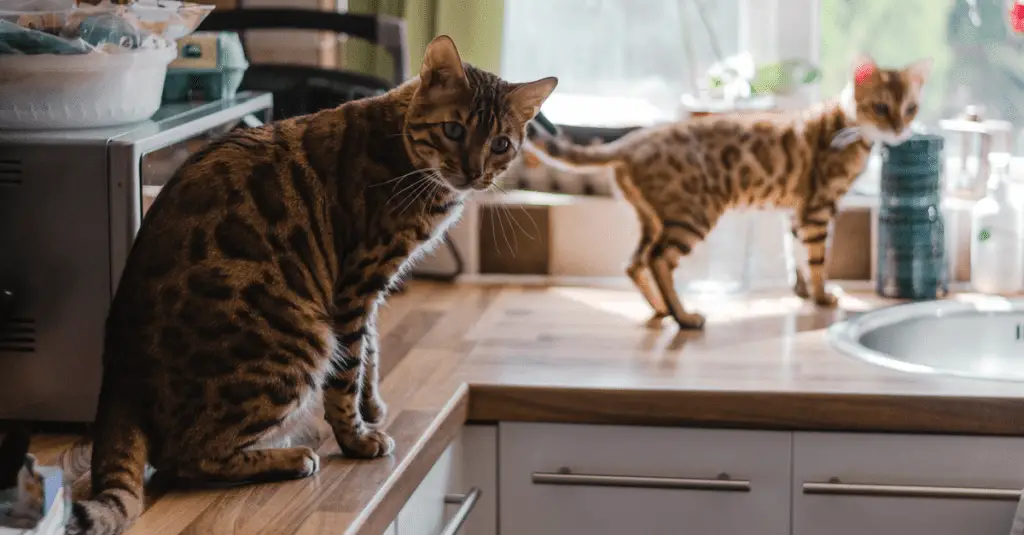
[
  {"x": 118, "y": 466},
  {"x": 559, "y": 148}
]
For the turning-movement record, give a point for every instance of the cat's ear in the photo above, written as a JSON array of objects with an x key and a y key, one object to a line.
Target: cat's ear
[
  {"x": 442, "y": 66},
  {"x": 918, "y": 71},
  {"x": 526, "y": 99},
  {"x": 863, "y": 67}
]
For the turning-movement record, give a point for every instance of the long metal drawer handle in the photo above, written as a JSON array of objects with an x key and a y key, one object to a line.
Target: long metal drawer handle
[
  {"x": 835, "y": 487},
  {"x": 565, "y": 477},
  {"x": 466, "y": 503}
]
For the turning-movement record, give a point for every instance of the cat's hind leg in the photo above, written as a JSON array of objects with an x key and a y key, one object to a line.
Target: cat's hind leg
[
  {"x": 639, "y": 272},
  {"x": 275, "y": 464},
  {"x": 800, "y": 286},
  {"x": 638, "y": 269},
  {"x": 677, "y": 239}
]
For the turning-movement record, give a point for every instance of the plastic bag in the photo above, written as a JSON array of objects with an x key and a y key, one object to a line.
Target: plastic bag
[
  {"x": 16, "y": 39},
  {"x": 170, "y": 20},
  {"x": 94, "y": 26}
]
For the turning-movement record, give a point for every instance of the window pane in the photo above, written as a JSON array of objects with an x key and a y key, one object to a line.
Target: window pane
[
  {"x": 978, "y": 59},
  {"x": 619, "y": 62}
]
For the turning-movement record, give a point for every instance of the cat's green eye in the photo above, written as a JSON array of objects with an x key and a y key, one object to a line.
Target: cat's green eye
[
  {"x": 500, "y": 145},
  {"x": 453, "y": 131},
  {"x": 912, "y": 109},
  {"x": 881, "y": 109}
]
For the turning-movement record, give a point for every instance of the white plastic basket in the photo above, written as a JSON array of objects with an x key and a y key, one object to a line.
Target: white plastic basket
[{"x": 50, "y": 91}]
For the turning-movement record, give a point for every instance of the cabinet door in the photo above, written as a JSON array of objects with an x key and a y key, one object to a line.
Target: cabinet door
[
  {"x": 474, "y": 478},
  {"x": 610, "y": 480},
  {"x": 424, "y": 514},
  {"x": 459, "y": 491},
  {"x": 852, "y": 484}
]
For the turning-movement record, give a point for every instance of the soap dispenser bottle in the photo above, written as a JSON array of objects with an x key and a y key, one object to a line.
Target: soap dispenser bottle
[{"x": 997, "y": 243}]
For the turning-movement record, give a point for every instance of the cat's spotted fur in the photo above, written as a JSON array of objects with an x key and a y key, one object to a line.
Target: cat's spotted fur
[
  {"x": 253, "y": 285},
  {"x": 681, "y": 177}
]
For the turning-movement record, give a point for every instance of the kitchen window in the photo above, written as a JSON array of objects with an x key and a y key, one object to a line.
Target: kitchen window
[
  {"x": 619, "y": 62},
  {"x": 978, "y": 59},
  {"x": 628, "y": 63},
  {"x": 625, "y": 63}
]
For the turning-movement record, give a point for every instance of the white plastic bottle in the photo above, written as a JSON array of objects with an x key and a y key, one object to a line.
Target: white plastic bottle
[{"x": 997, "y": 242}]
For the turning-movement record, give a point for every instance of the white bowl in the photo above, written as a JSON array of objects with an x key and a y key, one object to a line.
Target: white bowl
[{"x": 51, "y": 91}]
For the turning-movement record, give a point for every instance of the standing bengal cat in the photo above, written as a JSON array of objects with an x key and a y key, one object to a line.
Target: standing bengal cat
[
  {"x": 253, "y": 285},
  {"x": 681, "y": 177}
]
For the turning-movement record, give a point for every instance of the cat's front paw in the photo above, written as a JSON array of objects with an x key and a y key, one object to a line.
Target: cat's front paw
[
  {"x": 691, "y": 321},
  {"x": 306, "y": 461},
  {"x": 373, "y": 410},
  {"x": 368, "y": 444},
  {"x": 826, "y": 300}
]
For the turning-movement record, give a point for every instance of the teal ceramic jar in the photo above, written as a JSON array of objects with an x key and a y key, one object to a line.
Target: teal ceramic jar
[{"x": 911, "y": 244}]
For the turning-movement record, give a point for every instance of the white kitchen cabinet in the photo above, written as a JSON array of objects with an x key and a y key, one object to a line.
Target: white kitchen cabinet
[
  {"x": 467, "y": 470},
  {"x": 853, "y": 484},
  {"x": 611, "y": 480},
  {"x": 477, "y": 448}
]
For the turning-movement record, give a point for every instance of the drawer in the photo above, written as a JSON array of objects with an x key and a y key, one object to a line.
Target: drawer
[
  {"x": 458, "y": 495},
  {"x": 559, "y": 479},
  {"x": 851, "y": 484}
]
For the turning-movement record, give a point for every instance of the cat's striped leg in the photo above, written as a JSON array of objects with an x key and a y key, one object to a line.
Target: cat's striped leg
[
  {"x": 799, "y": 267},
  {"x": 639, "y": 271},
  {"x": 814, "y": 234},
  {"x": 343, "y": 389},
  {"x": 372, "y": 406},
  {"x": 677, "y": 239},
  {"x": 273, "y": 464},
  {"x": 650, "y": 229}
]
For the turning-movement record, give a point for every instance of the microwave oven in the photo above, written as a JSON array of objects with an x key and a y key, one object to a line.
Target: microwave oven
[{"x": 71, "y": 203}]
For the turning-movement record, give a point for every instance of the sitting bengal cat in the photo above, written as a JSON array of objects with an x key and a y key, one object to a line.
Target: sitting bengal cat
[{"x": 252, "y": 289}]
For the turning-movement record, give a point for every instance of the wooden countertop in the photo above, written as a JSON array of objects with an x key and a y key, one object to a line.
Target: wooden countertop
[{"x": 477, "y": 352}]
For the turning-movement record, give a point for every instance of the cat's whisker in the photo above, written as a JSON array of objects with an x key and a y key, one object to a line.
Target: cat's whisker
[
  {"x": 420, "y": 194},
  {"x": 399, "y": 178},
  {"x": 415, "y": 183},
  {"x": 525, "y": 212},
  {"x": 504, "y": 234},
  {"x": 434, "y": 187},
  {"x": 520, "y": 225},
  {"x": 512, "y": 229},
  {"x": 494, "y": 235},
  {"x": 403, "y": 195},
  {"x": 414, "y": 196}
]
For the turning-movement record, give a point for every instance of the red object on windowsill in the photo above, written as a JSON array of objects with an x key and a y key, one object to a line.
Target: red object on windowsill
[
  {"x": 863, "y": 72},
  {"x": 1017, "y": 17}
]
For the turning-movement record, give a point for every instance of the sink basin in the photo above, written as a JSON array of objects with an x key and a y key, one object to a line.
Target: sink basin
[{"x": 980, "y": 339}]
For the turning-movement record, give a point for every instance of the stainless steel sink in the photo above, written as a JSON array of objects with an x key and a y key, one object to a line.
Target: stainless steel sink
[{"x": 982, "y": 338}]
